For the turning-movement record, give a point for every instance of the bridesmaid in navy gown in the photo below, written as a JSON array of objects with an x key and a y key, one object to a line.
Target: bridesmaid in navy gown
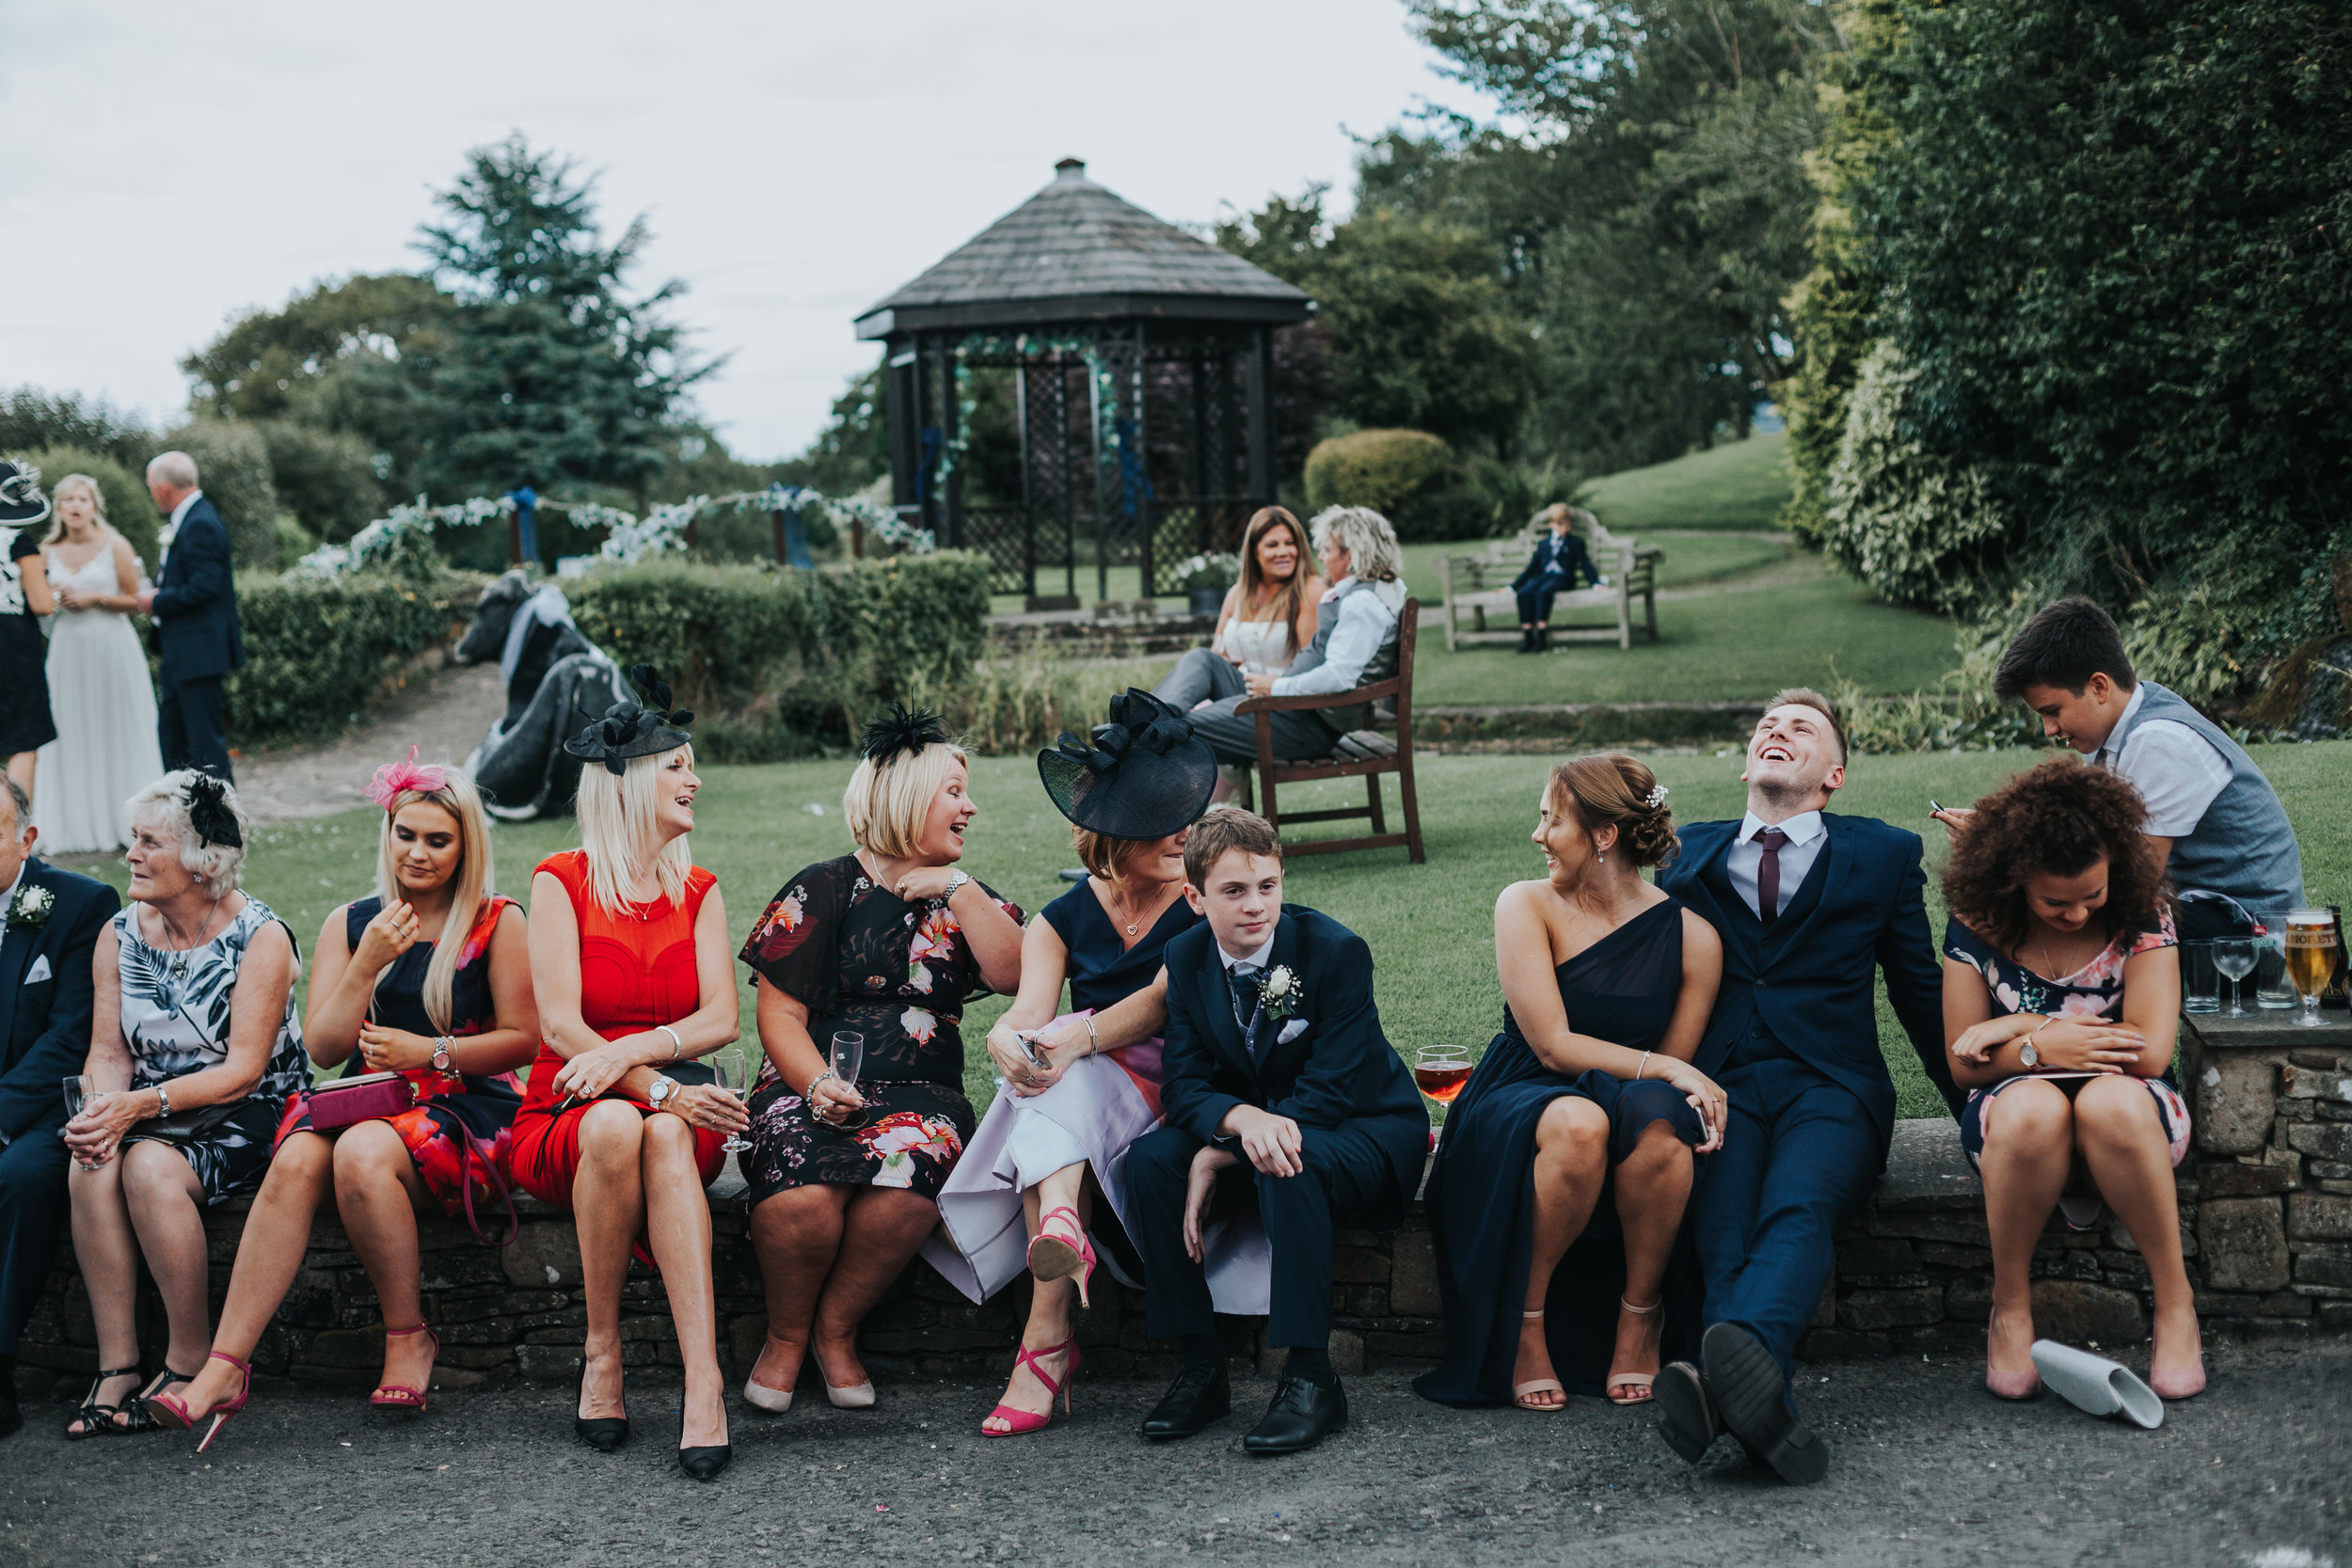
[{"x": 1561, "y": 1177}]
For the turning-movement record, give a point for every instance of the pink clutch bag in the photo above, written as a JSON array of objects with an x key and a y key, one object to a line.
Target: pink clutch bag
[{"x": 369, "y": 1096}]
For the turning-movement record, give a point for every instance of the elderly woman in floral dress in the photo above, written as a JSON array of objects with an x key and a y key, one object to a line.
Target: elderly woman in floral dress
[{"x": 886, "y": 943}]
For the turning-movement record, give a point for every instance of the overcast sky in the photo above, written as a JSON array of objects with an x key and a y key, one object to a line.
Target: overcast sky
[{"x": 165, "y": 166}]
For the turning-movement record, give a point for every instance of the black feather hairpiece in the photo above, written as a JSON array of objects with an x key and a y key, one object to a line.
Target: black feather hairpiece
[
  {"x": 210, "y": 814},
  {"x": 896, "y": 732},
  {"x": 643, "y": 677}
]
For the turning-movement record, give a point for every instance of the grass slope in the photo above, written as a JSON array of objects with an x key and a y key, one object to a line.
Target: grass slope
[
  {"x": 1430, "y": 927},
  {"x": 1737, "y": 484}
]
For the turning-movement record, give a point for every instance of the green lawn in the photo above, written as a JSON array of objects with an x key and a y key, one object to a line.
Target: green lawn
[
  {"x": 1737, "y": 484},
  {"x": 1430, "y": 927}
]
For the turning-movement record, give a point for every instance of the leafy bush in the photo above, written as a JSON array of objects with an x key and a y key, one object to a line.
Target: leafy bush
[
  {"x": 32, "y": 420},
  {"x": 129, "y": 507},
  {"x": 232, "y": 469},
  {"x": 787, "y": 661},
  {"x": 326, "y": 477},
  {"x": 317, "y": 652},
  {"x": 1217, "y": 570},
  {"x": 293, "y": 541},
  {"x": 1507, "y": 495},
  {"x": 1408, "y": 476}
]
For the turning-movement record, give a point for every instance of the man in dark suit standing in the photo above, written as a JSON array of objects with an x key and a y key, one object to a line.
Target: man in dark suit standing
[
  {"x": 1809, "y": 905},
  {"x": 194, "y": 604},
  {"x": 1280, "y": 1092},
  {"x": 53, "y": 918}
]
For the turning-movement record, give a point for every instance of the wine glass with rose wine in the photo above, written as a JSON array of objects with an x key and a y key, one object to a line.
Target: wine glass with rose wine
[{"x": 1440, "y": 1070}]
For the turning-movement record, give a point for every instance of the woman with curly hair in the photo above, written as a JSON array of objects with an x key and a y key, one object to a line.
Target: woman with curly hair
[
  {"x": 2061, "y": 987},
  {"x": 1580, "y": 1127}
]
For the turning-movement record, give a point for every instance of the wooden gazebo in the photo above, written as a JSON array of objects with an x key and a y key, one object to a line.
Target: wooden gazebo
[{"x": 1142, "y": 361}]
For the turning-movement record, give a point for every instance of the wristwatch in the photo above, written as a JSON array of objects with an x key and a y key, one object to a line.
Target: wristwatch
[
  {"x": 663, "y": 1087},
  {"x": 955, "y": 880},
  {"x": 2027, "y": 1054},
  {"x": 444, "y": 1058}
]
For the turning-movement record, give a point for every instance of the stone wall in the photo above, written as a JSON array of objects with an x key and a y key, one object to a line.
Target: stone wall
[{"x": 2266, "y": 1219}]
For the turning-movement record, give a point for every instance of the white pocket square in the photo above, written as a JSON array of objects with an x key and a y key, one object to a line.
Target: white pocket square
[
  {"x": 1290, "y": 1031},
  {"x": 40, "y": 971}
]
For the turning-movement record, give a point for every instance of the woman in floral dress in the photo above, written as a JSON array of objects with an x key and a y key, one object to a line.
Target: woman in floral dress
[{"x": 887, "y": 942}]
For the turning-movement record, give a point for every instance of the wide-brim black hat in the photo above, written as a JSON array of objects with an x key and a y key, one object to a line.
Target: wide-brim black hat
[
  {"x": 1142, "y": 776},
  {"x": 633, "y": 729},
  {"x": 21, "y": 501}
]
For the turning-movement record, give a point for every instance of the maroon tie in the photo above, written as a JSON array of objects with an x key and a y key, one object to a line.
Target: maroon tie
[{"x": 1768, "y": 873}]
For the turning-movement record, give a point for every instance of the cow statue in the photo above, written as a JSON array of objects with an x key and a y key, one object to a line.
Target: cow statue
[{"x": 557, "y": 682}]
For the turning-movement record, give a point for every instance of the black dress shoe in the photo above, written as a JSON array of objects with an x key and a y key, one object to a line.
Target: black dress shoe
[
  {"x": 702, "y": 1463},
  {"x": 604, "y": 1433},
  {"x": 1302, "y": 1415},
  {"x": 1753, "y": 1397},
  {"x": 1201, "y": 1394},
  {"x": 1691, "y": 1424}
]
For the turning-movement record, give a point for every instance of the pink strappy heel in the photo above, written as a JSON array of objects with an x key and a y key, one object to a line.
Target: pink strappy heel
[
  {"x": 1052, "y": 1257},
  {"x": 1019, "y": 1422},
  {"x": 395, "y": 1396},
  {"x": 174, "y": 1410}
]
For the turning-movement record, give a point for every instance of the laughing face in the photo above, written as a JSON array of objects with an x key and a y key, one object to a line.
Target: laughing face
[
  {"x": 673, "y": 796},
  {"x": 1795, "y": 762},
  {"x": 941, "y": 842}
]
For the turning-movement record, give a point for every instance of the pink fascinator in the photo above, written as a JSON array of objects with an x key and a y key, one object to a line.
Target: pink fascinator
[{"x": 395, "y": 778}]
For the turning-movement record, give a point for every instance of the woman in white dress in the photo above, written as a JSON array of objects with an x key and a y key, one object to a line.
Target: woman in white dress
[
  {"x": 1077, "y": 1089},
  {"x": 107, "y": 749},
  {"x": 1267, "y": 618}
]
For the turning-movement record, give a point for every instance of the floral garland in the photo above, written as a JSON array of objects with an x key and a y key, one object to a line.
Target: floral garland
[{"x": 628, "y": 539}]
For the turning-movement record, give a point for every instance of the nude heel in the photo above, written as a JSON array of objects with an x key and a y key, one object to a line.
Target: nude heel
[
  {"x": 1634, "y": 1380},
  {"x": 1538, "y": 1386}
]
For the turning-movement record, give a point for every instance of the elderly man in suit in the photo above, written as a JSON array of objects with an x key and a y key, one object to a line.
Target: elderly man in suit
[
  {"x": 193, "y": 603},
  {"x": 1810, "y": 907},
  {"x": 53, "y": 918}
]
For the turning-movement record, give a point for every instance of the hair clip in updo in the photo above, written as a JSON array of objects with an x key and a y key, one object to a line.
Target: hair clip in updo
[
  {"x": 1656, "y": 797},
  {"x": 407, "y": 776}
]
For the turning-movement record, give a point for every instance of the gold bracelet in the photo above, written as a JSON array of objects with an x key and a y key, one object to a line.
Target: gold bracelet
[{"x": 1094, "y": 1045}]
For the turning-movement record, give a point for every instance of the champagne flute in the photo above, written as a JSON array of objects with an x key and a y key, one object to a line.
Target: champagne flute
[
  {"x": 847, "y": 1057},
  {"x": 2234, "y": 956},
  {"x": 1440, "y": 1070},
  {"x": 2310, "y": 954},
  {"x": 728, "y": 1071},
  {"x": 81, "y": 1089}
]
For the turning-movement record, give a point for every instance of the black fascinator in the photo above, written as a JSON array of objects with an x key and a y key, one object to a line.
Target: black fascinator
[
  {"x": 635, "y": 729},
  {"x": 21, "y": 501},
  {"x": 210, "y": 814},
  {"x": 1144, "y": 775},
  {"x": 895, "y": 732}
]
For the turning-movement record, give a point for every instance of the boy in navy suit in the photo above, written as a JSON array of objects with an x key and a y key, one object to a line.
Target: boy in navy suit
[
  {"x": 1559, "y": 557},
  {"x": 1279, "y": 1091},
  {"x": 47, "y": 991},
  {"x": 1810, "y": 906}
]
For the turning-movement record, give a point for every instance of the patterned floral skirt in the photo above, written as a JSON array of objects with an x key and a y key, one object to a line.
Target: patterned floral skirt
[
  {"x": 232, "y": 1154},
  {"x": 431, "y": 1140},
  {"x": 909, "y": 1136}
]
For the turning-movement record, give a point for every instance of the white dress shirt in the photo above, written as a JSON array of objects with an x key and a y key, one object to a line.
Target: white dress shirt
[
  {"x": 1259, "y": 957},
  {"x": 2176, "y": 770},
  {"x": 1746, "y": 856},
  {"x": 1366, "y": 623}
]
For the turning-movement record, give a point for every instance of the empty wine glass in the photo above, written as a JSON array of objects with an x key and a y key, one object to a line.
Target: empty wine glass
[
  {"x": 728, "y": 1072},
  {"x": 2235, "y": 957},
  {"x": 848, "y": 1056},
  {"x": 80, "y": 1090}
]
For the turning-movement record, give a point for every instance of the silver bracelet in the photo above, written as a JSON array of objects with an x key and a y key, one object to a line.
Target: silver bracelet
[
  {"x": 1094, "y": 1045},
  {"x": 1640, "y": 1070},
  {"x": 676, "y": 1044},
  {"x": 810, "y": 1093},
  {"x": 163, "y": 1100}
]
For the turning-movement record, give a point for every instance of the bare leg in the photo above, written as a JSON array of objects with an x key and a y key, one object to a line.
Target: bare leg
[
  {"x": 607, "y": 1206},
  {"x": 2122, "y": 1138},
  {"x": 165, "y": 1203},
  {"x": 1050, "y": 1300},
  {"x": 2029, "y": 1149},
  {"x": 879, "y": 1235},
  {"x": 1571, "y": 1163},
  {"x": 1652, "y": 1186},
  {"x": 377, "y": 1191},
  {"x": 678, "y": 1222},
  {"x": 269, "y": 1254},
  {"x": 21, "y": 770},
  {"x": 796, "y": 1235},
  {"x": 107, "y": 1253}
]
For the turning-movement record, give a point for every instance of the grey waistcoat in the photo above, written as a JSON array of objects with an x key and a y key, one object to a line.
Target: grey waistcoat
[
  {"x": 2243, "y": 845},
  {"x": 1378, "y": 668}
]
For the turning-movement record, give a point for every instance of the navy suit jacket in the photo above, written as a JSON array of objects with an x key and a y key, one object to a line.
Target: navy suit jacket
[
  {"x": 1338, "y": 1069},
  {"x": 1809, "y": 980},
  {"x": 44, "y": 1025},
  {"x": 1557, "y": 556},
  {"x": 195, "y": 601}
]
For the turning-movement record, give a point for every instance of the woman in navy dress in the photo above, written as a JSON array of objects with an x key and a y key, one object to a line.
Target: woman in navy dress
[{"x": 1574, "y": 1140}]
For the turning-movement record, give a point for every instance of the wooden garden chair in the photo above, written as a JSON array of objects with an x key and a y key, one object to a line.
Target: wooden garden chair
[{"x": 1398, "y": 692}]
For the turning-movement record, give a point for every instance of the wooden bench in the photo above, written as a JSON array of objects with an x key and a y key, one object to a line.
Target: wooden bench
[
  {"x": 1396, "y": 692},
  {"x": 1473, "y": 584}
]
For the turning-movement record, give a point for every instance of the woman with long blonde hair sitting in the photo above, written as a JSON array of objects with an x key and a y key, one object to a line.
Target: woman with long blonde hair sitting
[
  {"x": 628, "y": 955},
  {"x": 429, "y": 977}
]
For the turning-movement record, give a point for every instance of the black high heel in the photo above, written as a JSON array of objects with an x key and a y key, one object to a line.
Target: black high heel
[
  {"x": 702, "y": 1463},
  {"x": 604, "y": 1433}
]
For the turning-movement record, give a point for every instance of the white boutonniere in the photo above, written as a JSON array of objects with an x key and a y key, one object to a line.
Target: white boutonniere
[
  {"x": 31, "y": 906},
  {"x": 1281, "y": 993}
]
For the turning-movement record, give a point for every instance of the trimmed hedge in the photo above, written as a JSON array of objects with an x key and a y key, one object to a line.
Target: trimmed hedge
[
  {"x": 1408, "y": 476},
  {"x": 317, "y": 652}
]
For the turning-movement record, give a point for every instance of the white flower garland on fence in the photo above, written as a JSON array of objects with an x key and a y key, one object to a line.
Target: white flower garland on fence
[{"x": 627, "y": 540}]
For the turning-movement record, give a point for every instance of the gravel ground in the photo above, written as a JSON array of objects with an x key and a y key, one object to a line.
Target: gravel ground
[{"x": 1926, "y": 1470}]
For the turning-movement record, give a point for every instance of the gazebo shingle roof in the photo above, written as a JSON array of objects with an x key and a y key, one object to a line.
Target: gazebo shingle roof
[{"x": 1076, "y": 252}]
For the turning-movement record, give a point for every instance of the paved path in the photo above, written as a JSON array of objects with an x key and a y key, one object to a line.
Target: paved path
[
  {"x": 445, "y": 713},
  {"x": 1926, "y": 1470}
]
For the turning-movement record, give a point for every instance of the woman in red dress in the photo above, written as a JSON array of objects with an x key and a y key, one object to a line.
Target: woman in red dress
[{"x": 630, "y": 960}]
